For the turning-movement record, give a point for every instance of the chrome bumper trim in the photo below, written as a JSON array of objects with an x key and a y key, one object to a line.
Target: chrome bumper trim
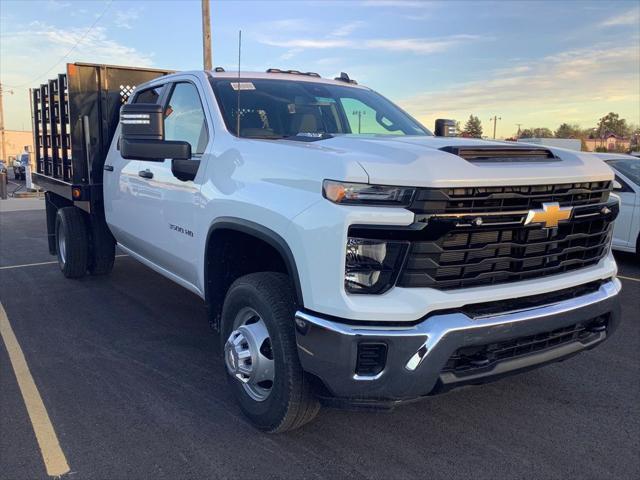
[{"x": 326, "y": 345}]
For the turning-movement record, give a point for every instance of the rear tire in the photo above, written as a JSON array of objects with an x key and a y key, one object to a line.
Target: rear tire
[
  {"x": 72, "y": 242},
  {"x": 287, "y": 402}
]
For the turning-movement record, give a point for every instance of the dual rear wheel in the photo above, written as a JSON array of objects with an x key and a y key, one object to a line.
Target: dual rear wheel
[{"x": 82, "y": 244}]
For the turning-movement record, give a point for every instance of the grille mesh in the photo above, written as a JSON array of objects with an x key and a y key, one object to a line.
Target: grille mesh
[{"x": 468, "y": 256}]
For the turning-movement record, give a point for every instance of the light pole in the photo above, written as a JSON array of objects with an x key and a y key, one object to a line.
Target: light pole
[{"x": 495, "y": 122}]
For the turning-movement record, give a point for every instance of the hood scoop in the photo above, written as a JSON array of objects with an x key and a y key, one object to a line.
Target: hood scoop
[{"x": 502, "y": 154}]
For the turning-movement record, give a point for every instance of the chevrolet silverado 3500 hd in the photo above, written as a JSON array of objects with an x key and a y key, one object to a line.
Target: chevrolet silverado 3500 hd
[{"x": 346, "y": 254}]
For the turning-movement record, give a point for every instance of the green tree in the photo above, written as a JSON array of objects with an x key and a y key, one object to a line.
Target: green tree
[
  {"x": 473, "y": 127},
  {"x": 569, "y": 131},
  {"x": 539, "y": 132},
  {"x": 612, "y": 123}
]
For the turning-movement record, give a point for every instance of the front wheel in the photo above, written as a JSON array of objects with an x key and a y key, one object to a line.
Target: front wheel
[{"x": 260, "y": 353}]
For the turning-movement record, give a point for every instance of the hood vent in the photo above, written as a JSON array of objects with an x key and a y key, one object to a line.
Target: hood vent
[{"x": 502, "y": 154}]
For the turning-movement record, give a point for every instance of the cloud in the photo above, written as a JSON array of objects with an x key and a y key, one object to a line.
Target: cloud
[
  {"x": 124, "y": 19},
  {"x": 25, "y": 60},
  {"x": 347, "y": 29},
  {"x": 631, "y": 17},
  {"x": 411, "y": 45},
  {"x": 306, "y": 43},
  {"x": 57, "y": 5},
  {"x": 419, "y": 45},
  {"x": 394, "y": 3},
  {"x": 575, "y": 86}
]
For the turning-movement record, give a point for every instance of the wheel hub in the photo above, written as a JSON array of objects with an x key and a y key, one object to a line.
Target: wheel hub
[{"x": 248, "y": 357}]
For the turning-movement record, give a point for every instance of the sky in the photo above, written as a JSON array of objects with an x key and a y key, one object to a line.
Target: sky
[{"x": 537, "y": 64}]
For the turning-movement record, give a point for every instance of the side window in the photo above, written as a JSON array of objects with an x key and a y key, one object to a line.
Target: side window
[
  {"x": 184, "y": 118},
  {"x": 150, "y": 95},
  {"x": 363, "y": 119},
  {"x": 623, "y": 184}
]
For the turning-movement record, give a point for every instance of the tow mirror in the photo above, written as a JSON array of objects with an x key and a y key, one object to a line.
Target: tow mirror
[
  {"x": 142, "y": 135},
  {"x": 445, "y": 128}
]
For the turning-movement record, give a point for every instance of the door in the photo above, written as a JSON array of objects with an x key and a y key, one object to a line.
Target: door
[
  {"x": 165, "y": 206},
  {"x": 121, "y": 183}
]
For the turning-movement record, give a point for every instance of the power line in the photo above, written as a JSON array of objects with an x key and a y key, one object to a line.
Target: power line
[{"x": 84, "y": 35}]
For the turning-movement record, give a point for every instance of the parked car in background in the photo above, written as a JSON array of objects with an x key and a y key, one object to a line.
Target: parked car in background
[{"x": 626, "y": 232}]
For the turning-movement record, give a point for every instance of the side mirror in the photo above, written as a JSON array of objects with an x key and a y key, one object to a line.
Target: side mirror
[
  {"x": 617, "y": 185},
  {"x": 142, "y": 135},
  {"x": 445, "y": 128}
]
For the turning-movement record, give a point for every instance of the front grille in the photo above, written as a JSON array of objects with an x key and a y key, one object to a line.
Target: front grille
[
  {"x": 475, "y": 249},
  {"x": 469, "y": 360},
  {"x": 468, "y": 257},
  {"x": 505, "y": 199}
]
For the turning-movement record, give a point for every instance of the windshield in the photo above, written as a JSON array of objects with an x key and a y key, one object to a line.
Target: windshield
[
  {"x": 275, "y": 109},
  {"x": 629, "y": 168}
]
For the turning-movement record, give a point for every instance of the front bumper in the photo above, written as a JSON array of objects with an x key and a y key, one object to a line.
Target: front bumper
[{"x": 416, "y": 355}]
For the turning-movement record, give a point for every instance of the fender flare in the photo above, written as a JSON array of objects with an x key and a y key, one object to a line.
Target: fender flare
[{"x": 266, "y": 235}]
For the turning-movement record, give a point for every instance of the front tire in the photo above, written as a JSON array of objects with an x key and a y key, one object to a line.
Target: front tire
[
  {"x": 261, "y": 356},
  {"x": 72, "y": 241}
]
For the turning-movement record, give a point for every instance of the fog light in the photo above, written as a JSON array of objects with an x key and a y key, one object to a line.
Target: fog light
[{"x": 372, "y": 266}]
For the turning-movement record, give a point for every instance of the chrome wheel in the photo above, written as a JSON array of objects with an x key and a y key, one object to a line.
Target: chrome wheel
[
  {"x": 248, "y": 355},
  {"x": 62, "y": 246}
]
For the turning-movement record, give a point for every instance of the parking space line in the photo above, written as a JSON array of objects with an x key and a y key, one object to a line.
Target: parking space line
[
  {"x": 629, "y": 278},
  {"x": 54, "y": 459},
  {"x": 9, "y": 267}
]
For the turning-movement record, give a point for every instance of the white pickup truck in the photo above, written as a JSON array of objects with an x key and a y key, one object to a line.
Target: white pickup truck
[{"x": 346, "y": 254}]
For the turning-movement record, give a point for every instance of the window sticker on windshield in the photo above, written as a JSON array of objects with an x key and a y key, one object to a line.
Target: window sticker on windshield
[{"x": 243, "y": 86}]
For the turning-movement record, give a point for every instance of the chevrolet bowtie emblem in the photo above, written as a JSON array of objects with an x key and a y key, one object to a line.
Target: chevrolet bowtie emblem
[{"x": 550, "y": 215}]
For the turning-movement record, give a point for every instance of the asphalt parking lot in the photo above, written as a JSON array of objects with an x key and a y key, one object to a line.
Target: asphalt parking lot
[{"x": 128, "y": 372}]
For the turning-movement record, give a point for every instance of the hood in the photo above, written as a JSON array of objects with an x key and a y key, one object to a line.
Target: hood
[{"x": 419, "y": 161}]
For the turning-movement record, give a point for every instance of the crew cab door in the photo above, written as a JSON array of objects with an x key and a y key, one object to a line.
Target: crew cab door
[
  {"x": 166, "y": 203},
  {"x": 121, "y": 183}
]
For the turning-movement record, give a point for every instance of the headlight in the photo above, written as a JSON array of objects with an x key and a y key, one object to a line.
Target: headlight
[
  {"x": 365, "y": 194},
  {"x": 372, "y": 266}
]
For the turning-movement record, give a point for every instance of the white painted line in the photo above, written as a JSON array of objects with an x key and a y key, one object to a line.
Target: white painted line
[
  {"x": 54, "y": 459},
  {"x": 629, "y": 278},
  {"x": 9, "y": 267}
]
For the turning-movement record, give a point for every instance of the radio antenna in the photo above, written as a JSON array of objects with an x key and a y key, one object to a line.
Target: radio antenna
[{"x": 238, "y": 84}]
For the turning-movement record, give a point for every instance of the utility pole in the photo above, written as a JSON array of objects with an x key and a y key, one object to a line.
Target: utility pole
[
  {"x": 495, "y": 122},
  {"x": 359, "y": 113},
  {"x": 206, "y": 34},
  {"x": 3, "y": 150}
]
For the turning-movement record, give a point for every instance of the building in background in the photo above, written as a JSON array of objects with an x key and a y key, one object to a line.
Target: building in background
[
  {"x": 611, "y": 142},
  {"x": 568, "y": 143},
  {"x": 14, "y": 143}
]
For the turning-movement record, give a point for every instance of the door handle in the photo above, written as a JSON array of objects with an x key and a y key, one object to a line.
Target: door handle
[
  {"x": 145, "y": 173},
  {"x": 108, "y": 168}
]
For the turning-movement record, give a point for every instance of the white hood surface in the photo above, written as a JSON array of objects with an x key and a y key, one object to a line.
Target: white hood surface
[{"x": 417, "y": 161}]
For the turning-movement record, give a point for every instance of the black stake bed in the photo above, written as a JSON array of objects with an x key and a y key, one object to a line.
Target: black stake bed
[{"x": 74, "y": 118}]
